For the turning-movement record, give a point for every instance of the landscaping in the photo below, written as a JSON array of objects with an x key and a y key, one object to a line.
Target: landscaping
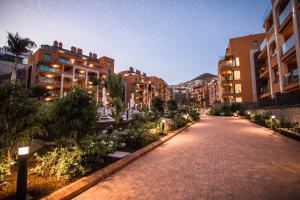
[
  {"x": 71, "y": 142},
  {"x": 268, "y": 119}
]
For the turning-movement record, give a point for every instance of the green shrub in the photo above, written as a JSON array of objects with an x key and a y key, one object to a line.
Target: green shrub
[
  {"x": 272, "y": 123},
  {"x": 180, "y": 121},
  {"x": 4, "y": 168},
  {"x": 259, "y": 119},
  {"x": 74, "y": 160},
  {"x": 194, "y": 115}
]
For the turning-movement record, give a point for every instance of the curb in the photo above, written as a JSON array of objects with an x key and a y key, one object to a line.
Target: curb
[{"x": 74, "y": 189}]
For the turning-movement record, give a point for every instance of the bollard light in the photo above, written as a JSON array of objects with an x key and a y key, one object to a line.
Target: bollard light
[
  {"x": 248, "y": 113},
  {"x": 22, "y": 173},
  {"x": 163, "y": 124},
  {"x": 273, "y": 116}
]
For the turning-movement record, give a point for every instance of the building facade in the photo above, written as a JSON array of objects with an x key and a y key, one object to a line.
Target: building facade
[
  {"x": 236, "y": 76},
  {"x": 213, "y": 91},
  {"x": 279, "y": 54},
  {"x": 143, "y": 87},
  {"x": 58, "y": 69}
]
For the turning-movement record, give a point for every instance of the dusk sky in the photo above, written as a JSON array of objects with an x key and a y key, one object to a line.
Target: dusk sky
[{"x": 174, "y": 40}]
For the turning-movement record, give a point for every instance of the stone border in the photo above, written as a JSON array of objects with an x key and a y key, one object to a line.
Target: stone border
[{"x": 74, "y": 189}]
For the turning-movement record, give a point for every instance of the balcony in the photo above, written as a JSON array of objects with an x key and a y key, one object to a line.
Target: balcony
[
  {"x": 291, "y": 78},
  {"x": 263, "y": 45},
  {"x": 267, "y": 12},
  {"x": 264, "y": 89},
  {"x": 46, "y": 80},
  {"x": 289, "y": 43},
  {"x": 285, "y": 13},
  {"x": 227, "y": 78},
  {"x": 45, "y": 68},
  {"x": 79, "y": 75}
]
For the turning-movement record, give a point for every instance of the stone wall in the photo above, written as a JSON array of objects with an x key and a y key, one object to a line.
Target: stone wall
[{"x": 291, "y": 114}]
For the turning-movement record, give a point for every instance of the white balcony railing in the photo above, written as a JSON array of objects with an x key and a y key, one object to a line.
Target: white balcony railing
[
  {"x": 285, "y": 13},
  {"x": 289, "y": 43}
]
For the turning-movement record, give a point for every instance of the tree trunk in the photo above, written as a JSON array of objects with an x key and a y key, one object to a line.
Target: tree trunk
[
  {"x": 14, "y": 70},
  {"x": 9, "y": 154}
]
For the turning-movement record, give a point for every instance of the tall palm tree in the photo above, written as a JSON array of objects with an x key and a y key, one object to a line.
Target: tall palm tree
[{"x": 18, "y": 45}]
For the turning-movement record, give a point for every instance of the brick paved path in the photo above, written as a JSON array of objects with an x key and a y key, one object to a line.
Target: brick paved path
[{"x": 219, "y": 158}]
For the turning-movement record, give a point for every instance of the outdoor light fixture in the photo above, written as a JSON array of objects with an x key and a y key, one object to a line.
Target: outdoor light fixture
[
  {"x": 248, "y": 113},
  {"x": 22, "y": 173},
  {"x": 163, "y": 124},
  {"x": 273, "y": 116}
]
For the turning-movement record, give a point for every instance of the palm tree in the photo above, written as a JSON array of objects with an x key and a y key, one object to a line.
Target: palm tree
[{"x": 18, "y": 45}]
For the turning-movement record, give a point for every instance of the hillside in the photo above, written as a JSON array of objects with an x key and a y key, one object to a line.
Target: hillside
[{"x": 206, "y": 77}]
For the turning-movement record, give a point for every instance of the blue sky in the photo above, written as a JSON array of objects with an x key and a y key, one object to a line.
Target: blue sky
[{"x": 173, "y": 39}]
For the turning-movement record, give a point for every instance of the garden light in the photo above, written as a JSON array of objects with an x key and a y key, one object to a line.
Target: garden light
[
  {"x": 22, "y": 172},
  {"x": 163, "y": 124},
  {"x": 248, "y": 113},
  {"x": 273, "y": 116}
]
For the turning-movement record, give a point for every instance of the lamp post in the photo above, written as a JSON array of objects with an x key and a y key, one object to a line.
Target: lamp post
[{"x": 22, "y": 173}]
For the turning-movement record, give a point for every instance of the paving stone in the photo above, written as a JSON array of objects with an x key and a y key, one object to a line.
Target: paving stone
[{"x": 218, "y": 158}]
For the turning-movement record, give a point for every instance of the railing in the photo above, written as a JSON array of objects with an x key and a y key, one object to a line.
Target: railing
[
  {"x": 227, "y": 78},
  {"x": 64, "y": 61},
  {"x": 289, "y": 43},
  {"x": 285, "y": 13},
  {"x": 79, "y": 75},
  {"x": 264, "y": 89},
  {"x": 263, "y": 45},
  {"x": 291, "y": 77},
  {"x": 267, "y": 12},
  {"x": 47, "y": 80},
  {"x": 48, "y": 69}
]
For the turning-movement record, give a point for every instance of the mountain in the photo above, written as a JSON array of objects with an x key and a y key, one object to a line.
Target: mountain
[{"x": 206, "y": 77}]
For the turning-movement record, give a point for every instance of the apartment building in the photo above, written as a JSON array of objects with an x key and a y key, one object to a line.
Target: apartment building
[
  {"x": 58, "y": 69},
  {"x": 236, "y": 76},
  {"x": 278, "y": 59},
  {"x": 200, "y": 96},
  {"x": 143, "y": 87},
  {"x": 213, "y": 91}
]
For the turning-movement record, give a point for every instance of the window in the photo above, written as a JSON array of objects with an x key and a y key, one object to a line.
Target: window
[
  {"x": 47, "y": 57},
  {"x": 238, "y": 88},
  {"x": 236, "y": 62},
  {"x": 276, "y": 75},
  {"x": 238, "y": 99},
  {"x": 237, "y": 75},
  {"x": 108, "y": 64},
  {"x": 255, "y": 43}
]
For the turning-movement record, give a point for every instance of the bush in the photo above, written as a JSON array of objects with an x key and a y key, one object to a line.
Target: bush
[
  {"x": 259, "y": 119},
  {"x": 157, "y": 106},
  {"x": 194, "y": 115},
  {"x": 75, "y": 114},
  {"x": 180, "y": 121},
  {"x": 74, "y": 160},
  {"x": 4, "y": 168},
  {"x": 272, "y": 123}
]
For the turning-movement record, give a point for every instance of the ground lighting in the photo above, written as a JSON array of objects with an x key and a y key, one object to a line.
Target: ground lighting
[
  {"x": 163, "y": 124},
  {"x": 22, "y": 173},
  {"x": 273, "y": 116}
]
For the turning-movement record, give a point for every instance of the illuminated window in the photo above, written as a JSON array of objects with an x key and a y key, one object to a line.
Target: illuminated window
[
  {"x": 237, "y": 75},
  {"x": 238, "y": 88},
  {"x": 237, "y": 61},
  {"x": 238, "y": 99}
]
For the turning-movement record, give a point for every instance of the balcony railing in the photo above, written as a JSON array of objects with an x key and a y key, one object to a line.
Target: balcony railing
[
  {"x": 263, "y": 45},
  {"x": 291, "y": 77},
  {"x": 227, "y": 78},
  {"x": 48, "y": 80},
  {"x": 79, "y": 75},
  {"x": 285, "y": 13},
  {"x": 48, "y": 69},
  {"x": 264, "y": 89},
  {"x": 267, "y": 12},
  {"x": 289, "y": 43}
]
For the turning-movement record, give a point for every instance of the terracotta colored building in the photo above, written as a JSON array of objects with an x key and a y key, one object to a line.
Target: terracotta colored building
[
  {"x": 279, "y": 54},
  {"x": 236, "y": 74},
  {"x": 213, "y": 91},
  {"x": 57, "y": 69},
  {"x": 200, "y": 96},
  {"x": 143, "y": 87}
]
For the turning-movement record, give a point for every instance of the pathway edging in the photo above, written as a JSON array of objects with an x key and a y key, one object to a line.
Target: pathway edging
[{"x": 79, "y": 186}]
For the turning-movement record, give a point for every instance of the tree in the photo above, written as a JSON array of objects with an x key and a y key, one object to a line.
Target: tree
[
  {"x": 18, "y": 45},
  {"x": 157, "y": 106},
  {"x": 172, "y": 105},
  {"x": 115, "y": 86},
  {"x": 19, "y": 119},
  {"x": 75, "y": 115}
]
